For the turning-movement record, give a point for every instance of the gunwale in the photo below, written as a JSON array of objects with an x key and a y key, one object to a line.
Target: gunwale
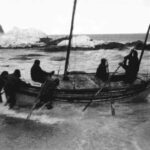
[{"x": 86, "y": 94}]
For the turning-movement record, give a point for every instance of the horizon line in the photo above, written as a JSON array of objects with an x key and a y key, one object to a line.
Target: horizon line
[{"x": 95, "y": 33}]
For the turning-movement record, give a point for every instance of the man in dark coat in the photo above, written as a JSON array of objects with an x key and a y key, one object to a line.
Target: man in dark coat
[
  {"x": 37, "y": 74},
  {"x": 131, "y": 66},
  {"x": 3, "y": 79},
  {"x": 102, "y": 70},
  {"x": 12, "y": 85}
]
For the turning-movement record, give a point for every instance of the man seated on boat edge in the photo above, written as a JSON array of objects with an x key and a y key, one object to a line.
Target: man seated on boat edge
[
  {"x": 39, "y": 75},
  {"x": 3, "y": 78},
  {"x": 13, "y": 83},
  {"x": 102, "y": 71},
  {"x": 47, "y": 93},
  {"x": 131, "y": 66}
]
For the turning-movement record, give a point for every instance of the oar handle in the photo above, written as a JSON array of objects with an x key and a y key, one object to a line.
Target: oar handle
[{"x": 30, "y": 113}]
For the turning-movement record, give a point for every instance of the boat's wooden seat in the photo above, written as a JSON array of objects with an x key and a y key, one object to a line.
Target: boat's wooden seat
[{"x": 37, "y": 84}]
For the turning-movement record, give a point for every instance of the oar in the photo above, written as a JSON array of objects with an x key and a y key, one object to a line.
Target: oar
[
  {"x": 58, "y": 70},
  {"x": 88, "y": 104},
  {"x": 112, "y": 109},
  {"x": 35, "y": 103},
  {"x": 33, "y": 107}
]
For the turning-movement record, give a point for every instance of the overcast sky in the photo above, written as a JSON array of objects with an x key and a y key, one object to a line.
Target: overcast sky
[{"x": 92, "y": 16}]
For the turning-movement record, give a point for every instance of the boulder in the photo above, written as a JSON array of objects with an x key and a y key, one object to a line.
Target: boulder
[{"x": 110, "y": 45}]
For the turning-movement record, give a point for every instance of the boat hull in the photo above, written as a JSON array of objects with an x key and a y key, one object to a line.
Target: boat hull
[
  {"x": 25, "y": 100},
  {"x": 136, "y": 92}
]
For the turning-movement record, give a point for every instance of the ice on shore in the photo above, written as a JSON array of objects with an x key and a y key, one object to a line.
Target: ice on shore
[
  {"x": 81, "y": 41},
  {"x": 31, "y": 38},
  {"x": 21, "y": 38},
  {"x": 28, "y": 37}
]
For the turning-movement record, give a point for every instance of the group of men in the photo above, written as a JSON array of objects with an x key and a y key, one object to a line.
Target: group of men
[
  {"x": 130, "y": 64},
  {"x": 12, "y": 82}
]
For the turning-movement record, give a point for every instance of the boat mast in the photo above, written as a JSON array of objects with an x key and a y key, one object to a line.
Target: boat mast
[
  {"x": 70, "y": 37},
  {"x": 144, "y": 45}
]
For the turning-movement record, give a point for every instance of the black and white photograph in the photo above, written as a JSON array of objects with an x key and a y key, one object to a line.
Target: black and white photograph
[{"x": 75, "y": 75}]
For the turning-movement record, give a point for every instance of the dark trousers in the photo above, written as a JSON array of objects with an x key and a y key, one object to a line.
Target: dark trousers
[
  {"x": 11, "y": 99},
  {"x": 45, "y": 100}
]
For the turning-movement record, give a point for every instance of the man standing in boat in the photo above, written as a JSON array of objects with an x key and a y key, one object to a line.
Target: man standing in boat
[
  {"x": 37, "y": 74},
  {"x": 131, "y": 66},
  {"x": 102, "y": 70}
]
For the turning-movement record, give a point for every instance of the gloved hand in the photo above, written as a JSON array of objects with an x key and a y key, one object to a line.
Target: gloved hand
[{"x": 121, "y": 63}]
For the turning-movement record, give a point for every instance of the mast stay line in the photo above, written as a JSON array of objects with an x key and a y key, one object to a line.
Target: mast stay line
[
  {"x": 70, "y": 37},
  {"x": 144, "y": 45}
]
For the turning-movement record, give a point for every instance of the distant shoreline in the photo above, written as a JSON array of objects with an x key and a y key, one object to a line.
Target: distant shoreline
[
  {"x": 52, "y": 47},
  {"x": 57, "y": 43}
]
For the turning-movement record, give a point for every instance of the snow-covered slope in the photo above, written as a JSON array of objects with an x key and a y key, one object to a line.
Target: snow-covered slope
[
  {"x": 21, "y": 38},
  {"x": 81, "y": 41}
]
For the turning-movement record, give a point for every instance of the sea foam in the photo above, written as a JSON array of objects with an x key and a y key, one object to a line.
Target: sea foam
[
  {"x": 21, "y": 38},
  {"x": 81, "y": 41}
]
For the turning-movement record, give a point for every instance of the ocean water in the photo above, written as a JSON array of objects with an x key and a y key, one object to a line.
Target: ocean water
[
  {"x": 114, "y": 37},
  {"x": 66, "y": 127},
  {"x": 120, "y": 37}
]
